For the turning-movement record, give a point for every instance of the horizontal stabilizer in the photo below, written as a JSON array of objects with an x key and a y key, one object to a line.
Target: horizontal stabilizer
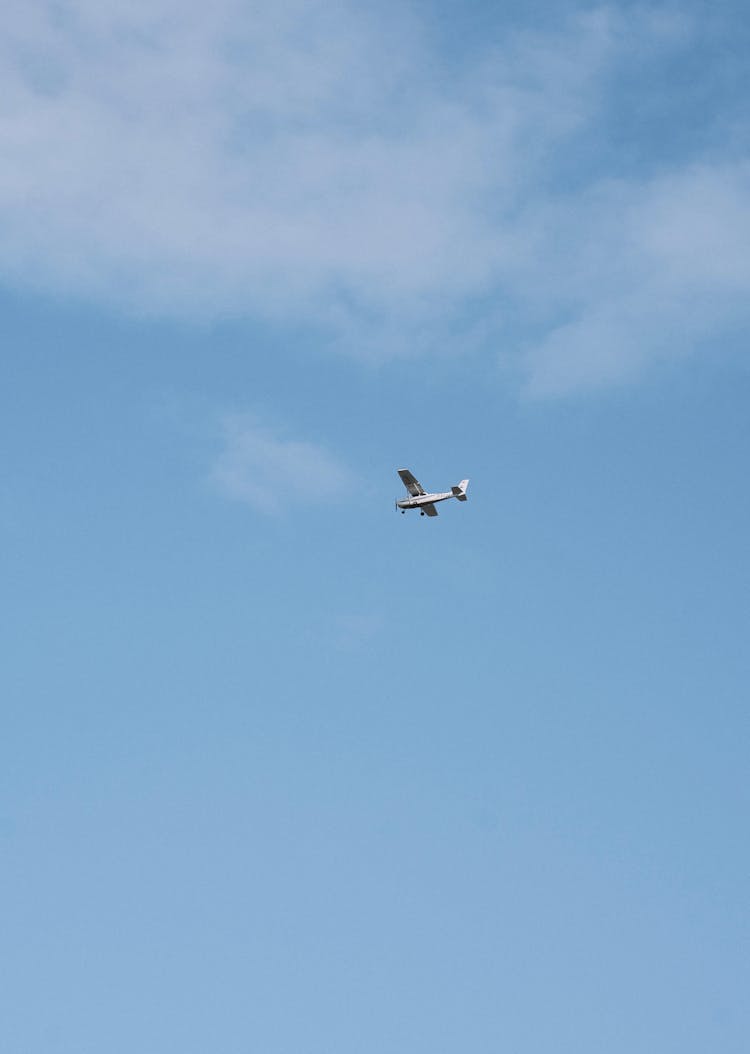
[{"x": 460, "y": 491}]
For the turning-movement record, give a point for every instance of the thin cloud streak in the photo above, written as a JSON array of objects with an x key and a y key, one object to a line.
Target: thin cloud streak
[
  {"x": 264, "y": 468},
  {"x": 654, "y": 269}
]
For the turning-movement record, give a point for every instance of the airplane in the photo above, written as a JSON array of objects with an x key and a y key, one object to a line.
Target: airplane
[{"x": 420, "y": 499}]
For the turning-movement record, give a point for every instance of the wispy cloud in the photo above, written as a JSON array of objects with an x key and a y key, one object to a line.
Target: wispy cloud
[
  {"x": 641, "y": 271},
  {"x": 311, "y": 162},
  {"x": 271, "y": 471},
  {"x": 354, "y": 632}
]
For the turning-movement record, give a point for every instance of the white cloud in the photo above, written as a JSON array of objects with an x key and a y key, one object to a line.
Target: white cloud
[
  {"x": 236, "y": 157},
  {"x": 651, "y": 270},
  {"x": 262, "y": 467},
  {"x": 308, "y": 161}
]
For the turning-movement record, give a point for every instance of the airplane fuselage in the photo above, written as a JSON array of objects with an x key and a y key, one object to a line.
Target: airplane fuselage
[
  {"x": 417, "y": 498},
  {"x": 423, "y": 499}
]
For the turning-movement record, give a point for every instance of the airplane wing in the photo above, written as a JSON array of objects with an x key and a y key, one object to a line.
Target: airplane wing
[
  {"x": 430, "y": 510},
  {"x": 412, "y": 485}
]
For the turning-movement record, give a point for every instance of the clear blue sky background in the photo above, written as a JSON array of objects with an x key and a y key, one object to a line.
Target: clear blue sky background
[{"x": 282, "y": 771}]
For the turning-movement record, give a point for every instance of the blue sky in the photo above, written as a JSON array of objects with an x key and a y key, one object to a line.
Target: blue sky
[{"x": 283, "y": 771}]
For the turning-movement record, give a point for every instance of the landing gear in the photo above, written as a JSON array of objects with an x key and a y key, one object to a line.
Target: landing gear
[
  {"x": 403, "y": 512},
  {"x": 421, "y": 513}
]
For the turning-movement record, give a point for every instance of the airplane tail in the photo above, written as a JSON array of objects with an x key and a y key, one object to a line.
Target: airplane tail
[{"x": 460, "y": 491}]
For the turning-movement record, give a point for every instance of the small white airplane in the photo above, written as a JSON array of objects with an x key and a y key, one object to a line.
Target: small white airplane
[{"x": 420, "y": 499}]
